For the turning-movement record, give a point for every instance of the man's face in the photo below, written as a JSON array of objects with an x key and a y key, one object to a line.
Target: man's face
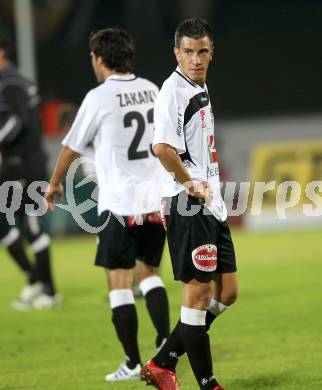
[
  {"x": 193, "y": 57},
  {"x": 96, "y": 64}
]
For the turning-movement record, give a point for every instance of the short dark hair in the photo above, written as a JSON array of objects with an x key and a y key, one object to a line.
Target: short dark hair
[
  {"x": 116, "y": 47},
  {"x": 5, "y": 45},
  {"x": 192, "y": 28}
]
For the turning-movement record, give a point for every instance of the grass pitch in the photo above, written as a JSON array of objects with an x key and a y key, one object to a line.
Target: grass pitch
[{"x": 270, "y": 339}]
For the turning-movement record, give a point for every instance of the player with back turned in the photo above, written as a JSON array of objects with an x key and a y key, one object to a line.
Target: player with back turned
[
  {"x": 200, "y": 245},
  {"x": 117, "y": 119}
]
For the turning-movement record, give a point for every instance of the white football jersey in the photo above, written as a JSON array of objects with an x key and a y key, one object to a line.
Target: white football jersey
[
  {"x": 184, "y": 119},
  {"x": 117, "y": 118}
]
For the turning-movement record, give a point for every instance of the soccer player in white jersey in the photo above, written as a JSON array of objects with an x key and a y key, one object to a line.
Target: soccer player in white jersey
[
  {"x": 117, "y": 118},
  {"x": 201, "y": 249}
]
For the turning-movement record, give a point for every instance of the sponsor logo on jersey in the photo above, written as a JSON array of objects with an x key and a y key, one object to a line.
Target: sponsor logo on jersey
[
  {"x": 204, "y": 257},
  {"x": 187, "y": 164},
  {"x": 212, "y": 152},
  {"x": 212, "y": 171},
  {"x": 179, "y": 125}
]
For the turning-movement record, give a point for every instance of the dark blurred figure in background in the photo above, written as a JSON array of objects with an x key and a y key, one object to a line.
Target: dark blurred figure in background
[{"x": 23, "y": 161}]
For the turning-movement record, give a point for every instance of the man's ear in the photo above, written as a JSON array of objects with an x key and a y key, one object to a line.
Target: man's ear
[
  {"x": 177, "y": 54},
  {"x": 100, "y": 60},
  {"x": 212, "y": 53}
]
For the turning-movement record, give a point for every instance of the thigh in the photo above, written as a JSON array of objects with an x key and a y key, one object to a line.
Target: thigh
[
  {"x": 143, "y": 270},
  {"x": 32, "y": 227},
  {"x": 178, "y": 235},
  {"x": 192, "y": 243},
  {"x": 116, "y": 243}
]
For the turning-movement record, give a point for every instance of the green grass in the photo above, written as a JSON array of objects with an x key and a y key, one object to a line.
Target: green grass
[{"x": 270, "y": 339}]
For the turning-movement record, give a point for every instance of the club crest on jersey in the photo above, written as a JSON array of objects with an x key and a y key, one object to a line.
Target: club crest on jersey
[
  {"x": 212, "y": 152},
  {"x": 204, "y": 257}
]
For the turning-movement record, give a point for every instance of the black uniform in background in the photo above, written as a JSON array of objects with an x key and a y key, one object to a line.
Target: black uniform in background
[{"x": 24, "y": 161}]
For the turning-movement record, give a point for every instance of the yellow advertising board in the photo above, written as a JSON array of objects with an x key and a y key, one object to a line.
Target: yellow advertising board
[{"x": 298, "y": 161}]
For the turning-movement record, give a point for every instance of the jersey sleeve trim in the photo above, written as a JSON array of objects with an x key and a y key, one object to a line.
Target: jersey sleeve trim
[{"x": 196, "y": 103}]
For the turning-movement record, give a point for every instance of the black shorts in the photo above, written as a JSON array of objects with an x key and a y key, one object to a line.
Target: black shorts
[
  {"x": 200, "y": 246},
  {"x": 121, "y": 243}
]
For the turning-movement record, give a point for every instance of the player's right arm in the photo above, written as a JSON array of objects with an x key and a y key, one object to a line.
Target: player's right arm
[
  {"x": 64, "y": 160},
  {"x": 82, "y": 133}
]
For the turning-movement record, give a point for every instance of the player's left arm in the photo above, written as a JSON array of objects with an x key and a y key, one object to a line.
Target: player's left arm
[{"x": 64, "y": 160}]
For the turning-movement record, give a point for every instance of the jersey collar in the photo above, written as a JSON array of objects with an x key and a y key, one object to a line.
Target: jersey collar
[
  {"x": 191, "y": 82},
  {"x": 122, "y": 77}
]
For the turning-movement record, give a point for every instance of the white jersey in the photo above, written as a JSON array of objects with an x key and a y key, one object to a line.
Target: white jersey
[
  {"x": 117, "y": 118},
  {"x": 184, "y": 119}
]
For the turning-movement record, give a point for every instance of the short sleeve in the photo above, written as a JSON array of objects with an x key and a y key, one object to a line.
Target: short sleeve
[
  {"x": 85, "y": 125},
  {"x": 169, "y": 119}
]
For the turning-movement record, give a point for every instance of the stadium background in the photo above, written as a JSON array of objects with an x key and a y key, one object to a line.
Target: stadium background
[{"x": 266, "y": 88}]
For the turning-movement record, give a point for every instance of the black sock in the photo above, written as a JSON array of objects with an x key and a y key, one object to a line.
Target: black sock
[
  {"x": 44, "y": 271},
  {"x": 18, "y": 253},
  {"x": 197, "y": 346},
  {"x": 126, "y": 325},
  {"x": 169, "y": 355},
  {"x": 158, "y": 307}
]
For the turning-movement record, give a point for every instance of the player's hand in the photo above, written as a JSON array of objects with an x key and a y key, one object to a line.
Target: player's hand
[
  {"x": 200, "y": 191},
  {"x": 52, "y": 190}
]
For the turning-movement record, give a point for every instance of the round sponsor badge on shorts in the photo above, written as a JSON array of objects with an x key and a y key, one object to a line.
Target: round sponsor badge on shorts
[{"x": 204, "y": 257}]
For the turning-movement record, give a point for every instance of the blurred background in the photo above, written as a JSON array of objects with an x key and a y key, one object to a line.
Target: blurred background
[{"x": 265, "y": 82}]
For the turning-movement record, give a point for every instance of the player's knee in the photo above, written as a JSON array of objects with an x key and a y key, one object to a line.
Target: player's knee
[
  {"x": 39, "y": 243},
  {"x": 197, "y": 296},
  {"x": 8, "y": 237},
  {"x": 120, "y": 279},
  {"x": 143, "y": 271},
  {"x": 33, "y": 226}
]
